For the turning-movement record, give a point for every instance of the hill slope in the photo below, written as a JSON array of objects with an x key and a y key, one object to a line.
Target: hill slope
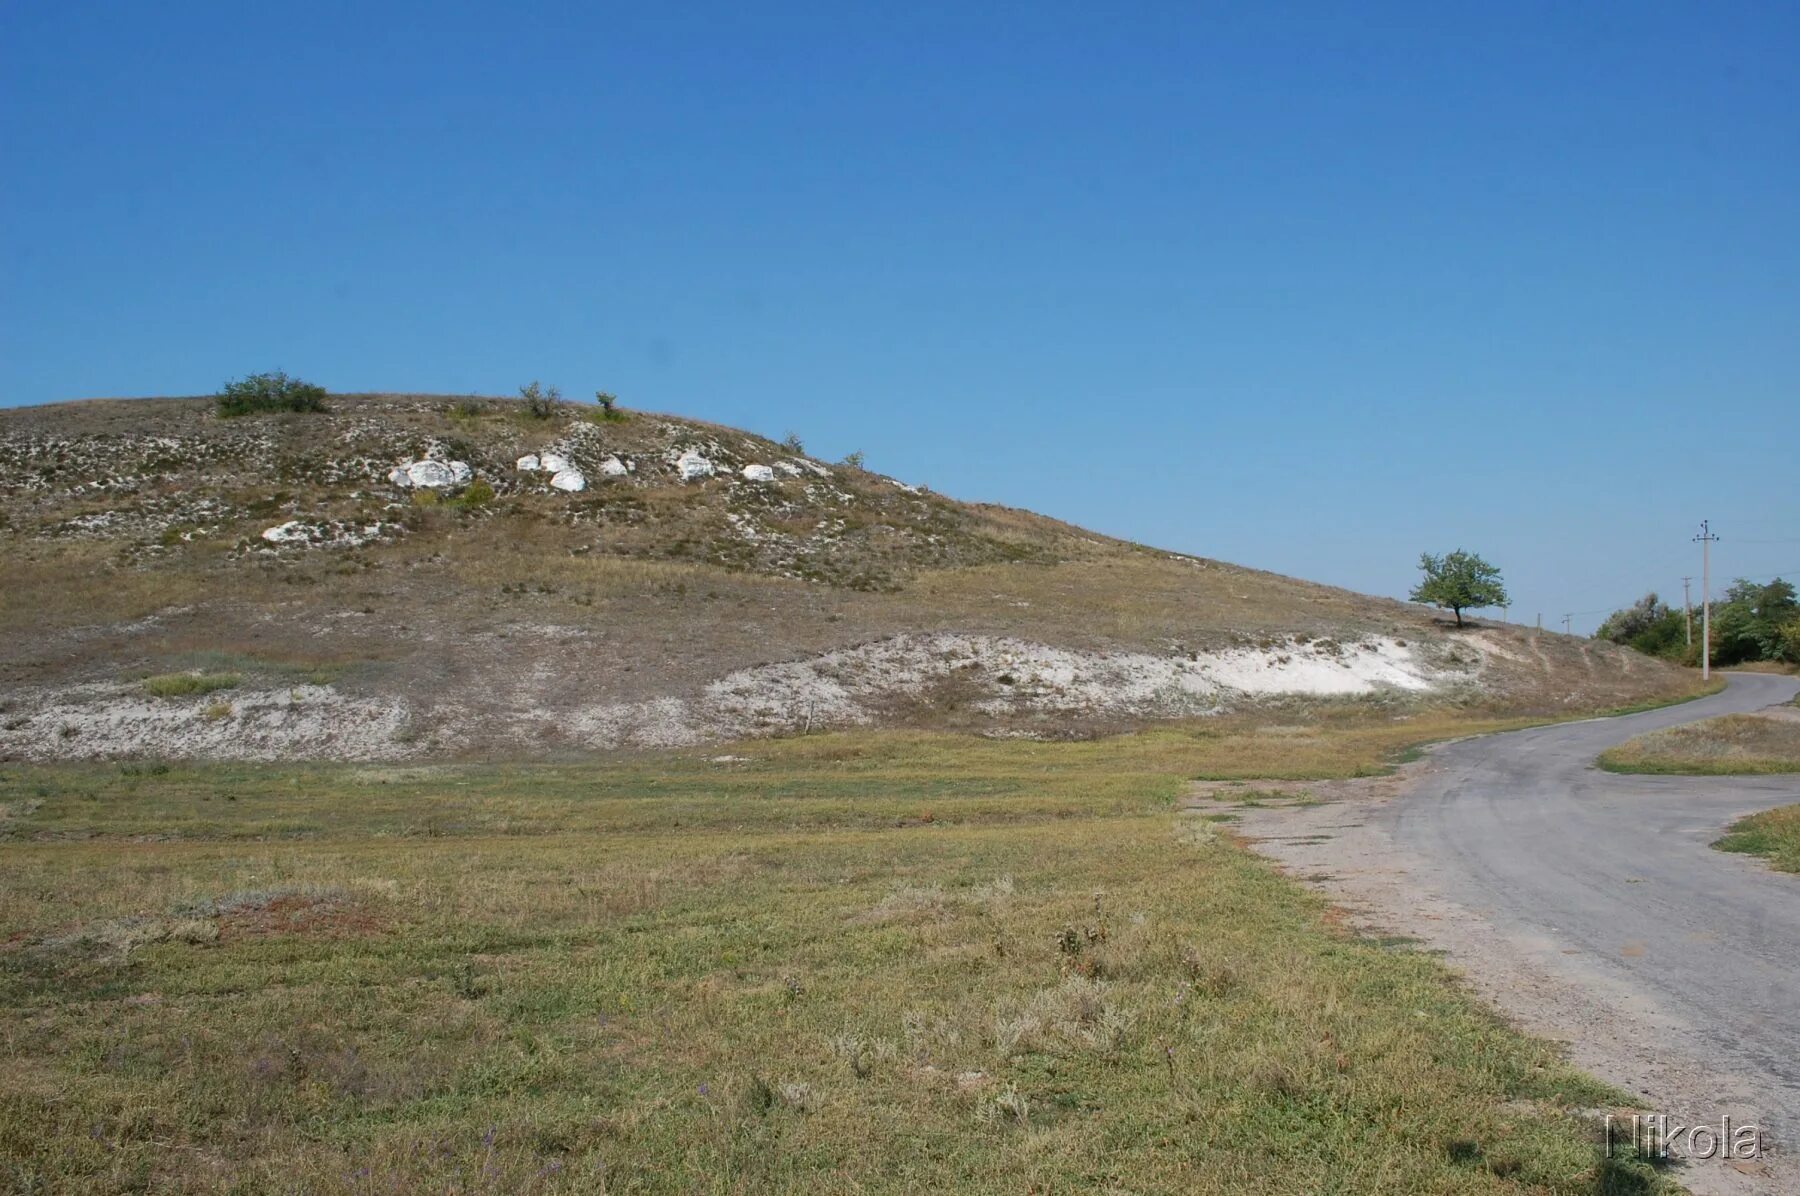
[{"x": 647, "y": 582}]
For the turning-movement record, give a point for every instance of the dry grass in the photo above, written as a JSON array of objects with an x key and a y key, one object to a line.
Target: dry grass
[
  {"x": 1727, "y": 745},
  {"x": 779, "y": 974}
]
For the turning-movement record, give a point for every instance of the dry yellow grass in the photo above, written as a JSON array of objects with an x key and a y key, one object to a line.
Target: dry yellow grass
[{"x": 1729, "y": 744}]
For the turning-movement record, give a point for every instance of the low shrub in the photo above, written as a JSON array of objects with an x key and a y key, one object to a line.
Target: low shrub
[
  {"x": 268, "y": 392},
  {"x": 540, "y": 401},
  {"x": 609, "y": 408}
]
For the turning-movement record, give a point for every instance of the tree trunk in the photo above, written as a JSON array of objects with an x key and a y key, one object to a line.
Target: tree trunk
[{"x": 1458, "y": 611}]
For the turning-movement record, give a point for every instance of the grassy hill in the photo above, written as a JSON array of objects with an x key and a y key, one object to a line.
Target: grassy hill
[{"x": 182, "y": 584}]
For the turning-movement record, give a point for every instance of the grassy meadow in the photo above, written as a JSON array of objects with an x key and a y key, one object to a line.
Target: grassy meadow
[{"x": 838, "y": 963}]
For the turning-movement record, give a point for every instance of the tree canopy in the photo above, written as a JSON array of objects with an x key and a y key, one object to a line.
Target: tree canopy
[
  {"x": 1459, "y": 581},
  {"x": 1750, "y": 622}
]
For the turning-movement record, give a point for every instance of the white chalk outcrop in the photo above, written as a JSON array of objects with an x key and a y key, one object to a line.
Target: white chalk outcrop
[
  {"x": 571, "y": 480},
  {"x": 612, "y": 467},
  {"x": 432, "y": 475},
  {"x": 326, "y": 533},
  {"x": 529, "y": 463},
  {"x": 1033, "y": 682},
  {"x": 103, "y": 720},
  {"x": 758, "y": 473},
  {"x": 693, "y": 467}
]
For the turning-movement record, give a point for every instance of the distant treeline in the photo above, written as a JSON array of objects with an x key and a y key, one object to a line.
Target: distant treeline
[{"x": 1753, "y": 622}]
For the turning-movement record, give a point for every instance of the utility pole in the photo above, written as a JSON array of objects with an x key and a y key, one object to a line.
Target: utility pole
[
  {"x": 1706, "y": 539},
  {"x": 1687, "y": 610},
  {"x": 1568, "y": 625},
  {"x": 1540, "y": 620}
]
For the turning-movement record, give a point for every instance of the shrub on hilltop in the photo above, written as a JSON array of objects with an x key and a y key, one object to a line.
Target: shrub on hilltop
[{"x": 260, "y": 393}]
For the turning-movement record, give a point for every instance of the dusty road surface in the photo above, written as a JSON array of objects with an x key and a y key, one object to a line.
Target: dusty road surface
[{"x": 1589, "y": 906}]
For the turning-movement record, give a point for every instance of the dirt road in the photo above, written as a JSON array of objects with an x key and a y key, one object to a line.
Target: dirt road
[{"x": 1591, "y": 908}]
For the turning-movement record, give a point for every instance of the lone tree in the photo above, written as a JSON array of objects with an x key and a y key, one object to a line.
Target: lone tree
[{"x": 1459, "y": 581}]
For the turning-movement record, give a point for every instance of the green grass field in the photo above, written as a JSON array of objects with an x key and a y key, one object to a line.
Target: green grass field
[{"x": 891, "y": 963}]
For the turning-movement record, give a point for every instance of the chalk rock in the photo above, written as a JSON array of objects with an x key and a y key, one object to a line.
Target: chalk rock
[
  {"x": 612, "y": 467},
  {"x": 286, "y": 533},
  {"x": 528, "y": 463},
  {"x": 758, "y": 473},
  {"x": 554, "y": 463},
  {"x": 569, "y": 479},
  {"x": 431, "y": 475},
  {"x": 693, "y": 467}
]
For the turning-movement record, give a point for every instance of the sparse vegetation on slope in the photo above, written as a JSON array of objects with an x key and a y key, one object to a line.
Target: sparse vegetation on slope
[{"x": 781, "y": 969}]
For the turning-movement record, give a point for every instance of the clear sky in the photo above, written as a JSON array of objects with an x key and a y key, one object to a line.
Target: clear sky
[{"x": 1306, "y": 287}]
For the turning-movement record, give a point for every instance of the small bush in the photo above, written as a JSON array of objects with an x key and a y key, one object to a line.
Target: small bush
[
  {"x": 477, "y": 494},
  {"x": 609, "y": 407},
  {"x": 217, "y": 712},
  {"x": 186, "y": 685},
  {"x": 540, "y": 401},
  {"x": 791, "y": 442},
  {"x": 854, "y": 460},
  {"x": 269, "y": 392}
]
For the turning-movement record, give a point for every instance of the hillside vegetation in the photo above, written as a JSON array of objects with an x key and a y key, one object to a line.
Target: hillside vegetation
[{"x": 380, "y": 579}]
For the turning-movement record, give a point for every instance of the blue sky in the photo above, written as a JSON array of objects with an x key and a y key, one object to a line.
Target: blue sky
[{"x": 1311, "y": 288}]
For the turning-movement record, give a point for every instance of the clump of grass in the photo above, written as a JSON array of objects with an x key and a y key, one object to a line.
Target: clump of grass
[
  {"x": 216, "y": 712},
  {"x": 187, "y": 685},
  {"x": 1772, "y": 834}
]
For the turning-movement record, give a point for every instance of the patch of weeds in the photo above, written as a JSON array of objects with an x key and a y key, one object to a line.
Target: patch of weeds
[
  {"x": 477, "y": 494},
  {"x": 187, "y": 685},
  {"x": 216, "y": 712}
]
